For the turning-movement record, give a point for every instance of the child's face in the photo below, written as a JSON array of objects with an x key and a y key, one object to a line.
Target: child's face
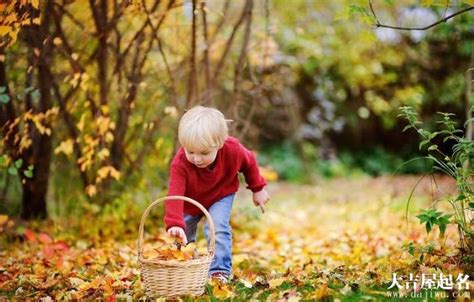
[{"x": 201, "y": 158}]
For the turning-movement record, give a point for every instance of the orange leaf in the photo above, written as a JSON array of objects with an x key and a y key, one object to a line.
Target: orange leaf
[
  {"x": 44, "y": 238},
  {"x": 59, "y": 263},
  {"x": 61, "y": 246},
  {"x": 30, "y": 235},
  {"x": 112, "y": 298},
  {"x": 48, "y": 251}
]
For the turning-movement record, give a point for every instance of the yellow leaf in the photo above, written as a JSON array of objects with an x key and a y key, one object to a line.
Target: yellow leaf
[
  {"x": 106, "y": 171},
  {"x": 109, "y": 137},
  {"x": 12, "y": 18},
  {"x": 115, "y": 174},
  {"x": 4, "y": 29},
  {"x": 268, "y": 173},
  {"x": 82, "y": 122},
  {"x": 221, "y": 291},
  {"x": 75, "y": 56},
  {"x": 65, "y": 147},
  {"x": 75, "y": 80},
  {"x": 14, "y": 34},
  {"x": 91, "y": 190},
  {"x": 151, "y": 254},
  {"x": 37, "y": 21},
  {"x": 57, "y": 41},
  {"x": 103, "y": 124},
  {"x": 104, "y": 153},
  {"x": 276, "y": 282},
  {"x": 3, "y": 219},
  {"x": 103, "y": 172},
  {"x": 54, "y": 110},
  {"x": 104, "y": 109},
  {"x": 171, "y": 110},
  {"x": 35, "y": 3},
  {"x": 321, "y": 292}
]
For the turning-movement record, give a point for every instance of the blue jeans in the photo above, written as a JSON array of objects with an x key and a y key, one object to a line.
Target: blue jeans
[{"x": 220, "y": 213}]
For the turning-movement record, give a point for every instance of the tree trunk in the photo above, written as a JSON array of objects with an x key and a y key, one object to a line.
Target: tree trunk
[{"x": 39, "y": 153}]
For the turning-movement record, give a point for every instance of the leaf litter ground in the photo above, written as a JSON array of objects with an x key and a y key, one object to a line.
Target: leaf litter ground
[{"x": 340, "y": 240}]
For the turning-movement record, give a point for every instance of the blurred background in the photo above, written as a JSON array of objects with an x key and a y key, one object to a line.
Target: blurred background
[{"x": 91, "y": 91}]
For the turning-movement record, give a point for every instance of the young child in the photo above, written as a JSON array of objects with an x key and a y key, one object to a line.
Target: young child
[{"x": 206, "y": 169}]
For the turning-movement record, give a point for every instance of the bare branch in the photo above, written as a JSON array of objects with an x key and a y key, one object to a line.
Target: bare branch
[
  {"x": 208, "y": 91},
  {"x": 221, "y": 22},
  {"x": 243, "y": 53},
  {"x": 100, "y": 19},
  {"x": 165, "y": 60},
  {"x": 65, "y": 48},
  {"x": 446, "y": 9},
  {"x": 73, "y": 19},
  {"x": 192, "y": 81},
  {"x": 69, "y": 121},
  {"x": 378, "y": 24},
  {"x": 220, "y": 65}
]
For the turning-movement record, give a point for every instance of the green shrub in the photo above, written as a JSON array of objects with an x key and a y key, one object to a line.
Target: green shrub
[{"x": 457, "y": 164}]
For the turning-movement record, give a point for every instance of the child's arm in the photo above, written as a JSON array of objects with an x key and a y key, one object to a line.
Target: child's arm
[
  {"x": 174, "y": 208},
  {"x": 255, "y": 182}
]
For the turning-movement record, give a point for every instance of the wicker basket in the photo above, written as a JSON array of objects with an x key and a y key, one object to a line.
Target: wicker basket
[{"x": 169, "y": 278}]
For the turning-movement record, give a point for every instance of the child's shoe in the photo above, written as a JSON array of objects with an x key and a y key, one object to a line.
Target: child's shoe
[{"x": 220, "y": 277}]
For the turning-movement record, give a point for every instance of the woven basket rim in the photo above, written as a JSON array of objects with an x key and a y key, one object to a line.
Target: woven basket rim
[{"x": 177, "y": 263}]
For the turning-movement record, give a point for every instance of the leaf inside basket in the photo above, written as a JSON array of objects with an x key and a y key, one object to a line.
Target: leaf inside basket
[{"x": 169, "y": 249}]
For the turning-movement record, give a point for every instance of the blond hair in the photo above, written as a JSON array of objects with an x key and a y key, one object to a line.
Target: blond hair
[{"x": 202, "y": 128}]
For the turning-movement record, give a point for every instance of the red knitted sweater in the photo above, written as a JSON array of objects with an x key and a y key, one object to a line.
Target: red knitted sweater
[{"x": 208, "y": 186}]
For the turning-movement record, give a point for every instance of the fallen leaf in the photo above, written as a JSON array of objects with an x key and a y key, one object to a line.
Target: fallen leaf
[
  {"x": 3, "y": 219},
  {"x": 30, "y": 235},
  {"x": 276, "y": 282},
  {"x": 44, "y": 238}
]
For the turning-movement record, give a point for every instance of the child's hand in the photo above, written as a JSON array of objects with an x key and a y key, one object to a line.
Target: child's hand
[
  {"x": 260, "y": 198},
  {"x": 178, "y": 232}
]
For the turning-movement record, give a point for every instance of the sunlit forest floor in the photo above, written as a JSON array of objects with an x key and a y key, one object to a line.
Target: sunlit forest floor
[{"x": 341, "y": 239}]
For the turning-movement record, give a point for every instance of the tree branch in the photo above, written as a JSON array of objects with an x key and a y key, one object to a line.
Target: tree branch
[
  {"x": 379, "y": 25},
  {"x": 240, "y": 62},
  {"x": 208, "y": 91},
  {"x": 165, "y": 60},
  {"x": 220, "y": 65},
  {"x": 221, "y": 22},
  {"x": 100, "y": 19},
  {"x": 192, "y": 80}
]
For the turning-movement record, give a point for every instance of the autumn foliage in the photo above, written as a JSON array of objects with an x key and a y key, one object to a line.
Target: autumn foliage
[{"x": 350, "y": 253}]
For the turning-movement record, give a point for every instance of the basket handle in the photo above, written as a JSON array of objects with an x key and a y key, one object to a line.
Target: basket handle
[{"x": 184, "y": 198}]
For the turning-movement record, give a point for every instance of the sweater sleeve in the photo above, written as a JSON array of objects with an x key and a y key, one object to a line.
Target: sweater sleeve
[
  {"x": 255, "y": 182},
  {"x": 174, "y": 208}
]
